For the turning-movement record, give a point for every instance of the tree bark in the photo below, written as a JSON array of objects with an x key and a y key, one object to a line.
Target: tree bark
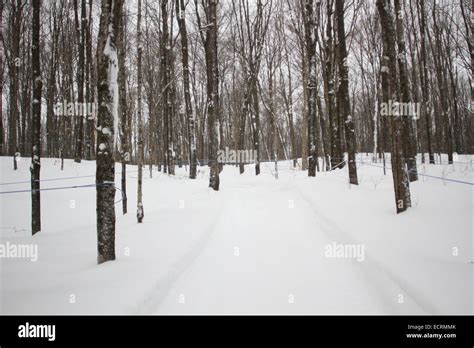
[
  {"x": 79, "y": 119},
  {"x": 390, "y": 92},
  {"x": 408, "y": 135},
  {"x": 426, "y": 110},
  {"x": 310, "y": 38},
  {"x": 140, "y": 210},
  {"x": 343, "y": 92},
  {"x": 124, "y": 126},
  {"x": 212, "y": 91},
  {"x": 111, "y": 11},
  {"x": 36, "y": 121},
  {"x": 181, "y": 16}
]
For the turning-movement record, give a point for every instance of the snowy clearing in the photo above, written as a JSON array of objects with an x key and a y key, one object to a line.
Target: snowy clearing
[{"x": 258, "y": 246}]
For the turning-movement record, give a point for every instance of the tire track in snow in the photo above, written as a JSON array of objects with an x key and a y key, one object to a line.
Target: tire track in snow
[
  {"x": 372, "y": 269},
  {"x": 165, "y": 283}
]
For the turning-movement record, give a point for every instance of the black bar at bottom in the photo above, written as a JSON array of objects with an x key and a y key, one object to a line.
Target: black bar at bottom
[{"x": 288, "y": 330}]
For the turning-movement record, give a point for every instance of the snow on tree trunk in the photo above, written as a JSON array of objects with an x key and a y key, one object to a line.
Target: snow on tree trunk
[
  {"x": 36, "y": 122},
  {"x": 181, "y": 14},
  {"x": 408, "y": 134},
  {"x": 336, "y": 151},
  {"x": 107, "y": 70},
  {"x": 390, "y": 92}
]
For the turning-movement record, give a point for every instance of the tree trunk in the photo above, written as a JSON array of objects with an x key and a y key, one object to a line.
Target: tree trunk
[
  {"x": 79, "y": 118},
  {"x": 2, "y": 139},
  {"x": 343, "y": 92},
  {"x": 212, "y": 92},
  {"x": 124, "y": 126},
  {"x": 408, "y": 135},
  {"x": 107, "y": 64},
  {"x": 181, "y": 15},
  {"x": 255, "y": 119},
  {"x": 310, "y": 38},
  {"x": 336, "y": 152},
  {"x": 15, "y": 62},
  {"x": 166, "y": 91},
  {"x": 140, "y": 210},
  {"x": 426, "y": 110},
  {"x": 390, "y": 93},
  {"x": 36, "y": 121}
]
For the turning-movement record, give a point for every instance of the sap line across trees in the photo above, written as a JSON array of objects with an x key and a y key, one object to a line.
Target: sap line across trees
[{"x": 177, "y": 81}]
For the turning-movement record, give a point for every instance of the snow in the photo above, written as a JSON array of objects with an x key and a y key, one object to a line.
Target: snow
[
  {"x": 110, "y": 51},
  {"x": 106, "y": 131},
  {"x": 258, "y": 245}
]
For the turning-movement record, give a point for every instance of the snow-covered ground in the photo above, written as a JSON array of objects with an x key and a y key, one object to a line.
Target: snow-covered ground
[{"x": 259, "y": 245}]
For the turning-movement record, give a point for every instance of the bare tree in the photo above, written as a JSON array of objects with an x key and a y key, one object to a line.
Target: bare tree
[
  {"x": 390, "y": 92},
  {"x": 252, "y": 32},
  {"x": 140, "y": 210},
  {"x": 2, "y": 136},
  {"x": 107, "y": 66},
  {"x": 426, "y": 110},
  {"x": 212, "y": 74},
  {"x": 408, "y": 135},
  {"x": 310, "y": 29},
  {"x": 36, "y": 121},
  {"x": 124, "y": 124},
  {"x": 80, "y": 37},
  {"x": 181, "y": 16},
  {"x": 343, "y": 93}
]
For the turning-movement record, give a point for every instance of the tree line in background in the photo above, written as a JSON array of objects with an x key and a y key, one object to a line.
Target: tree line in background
[{"x": 169, "y": 83}]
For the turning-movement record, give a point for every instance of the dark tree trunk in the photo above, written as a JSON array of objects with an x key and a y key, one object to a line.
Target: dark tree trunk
[
  {"x": 310, "y": 38},
  {"x": 343, "y": 92},
  {"x": 90, "y": 91},
  {"x": 166, "y": 91},
  {"x": 51, "y": 118},
  {"x": 124, "y": 126},
  {"x": 212, "y": 91},
  {"x": 2, "y": 136},
  {"x": 426, "y": 110},
  {"x": 242, "y": 121},
  {"x": 79, "y": 118},
  {"x": 181, "y": 15},
  {"x": 390, "y": 92},
  {"x": 408, "y": 135},
  {"x": 36, "y": 120},
  {"x": 255, "y": 119},
  {"x": 111, "y": 11},
  {"x": 15, "y": 62},
  {"x": 336, "y": 151},
  {"x": 140, "y": 210}
]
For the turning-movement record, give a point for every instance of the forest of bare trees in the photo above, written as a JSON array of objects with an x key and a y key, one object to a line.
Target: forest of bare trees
[{"x": 170, "y": 83}]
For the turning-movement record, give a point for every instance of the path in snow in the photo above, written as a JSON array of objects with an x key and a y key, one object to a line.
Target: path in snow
[
  {"x": 257, "y": 246},
  {"x": 265, "y": 254}
]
